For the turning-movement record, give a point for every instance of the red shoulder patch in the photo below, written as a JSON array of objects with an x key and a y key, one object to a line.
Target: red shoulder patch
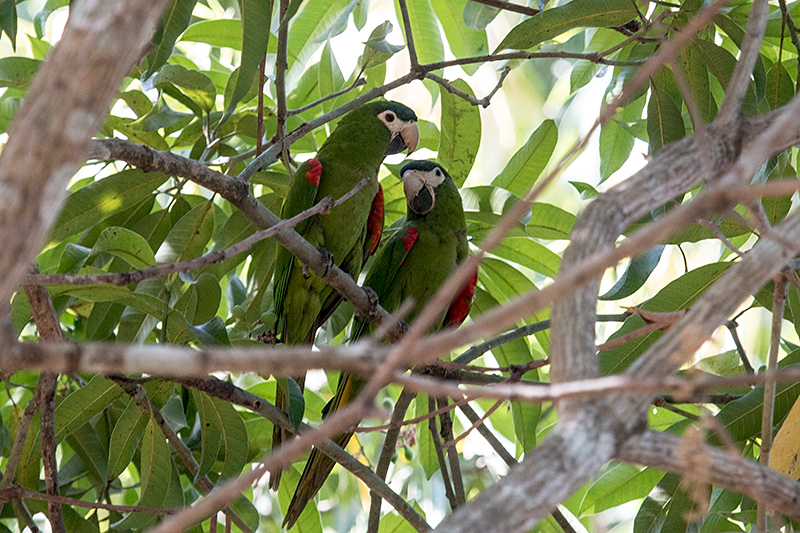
[
  {"x": 461, "y": 304},
  {"x": 375, "y": 222},
  {"x": 410, "y": 239},
  {"x": 314, "y": 172}
]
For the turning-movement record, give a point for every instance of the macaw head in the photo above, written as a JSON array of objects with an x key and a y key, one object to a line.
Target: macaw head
[
  {"x": 420, "y": 182},
  {"x": 401, "y": 122}
]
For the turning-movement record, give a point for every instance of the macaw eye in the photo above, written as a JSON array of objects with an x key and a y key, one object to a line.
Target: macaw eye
[
  {"x": 389, "y": 117},
  {"x": 438, "y": 173}
]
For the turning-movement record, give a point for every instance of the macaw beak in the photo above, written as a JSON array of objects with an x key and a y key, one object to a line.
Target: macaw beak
[
  {"x": 408, "y": 137},
  {"x": 419, "y": 194}
]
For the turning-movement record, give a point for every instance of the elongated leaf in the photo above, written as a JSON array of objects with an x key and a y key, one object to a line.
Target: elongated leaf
[
  {"x": 524, "y": 167},
  {"x": 460, "y": 136},
  {"x": 741, "y": 418},
  {"x": 678, "y": 294},
  {"x": 695, "y": 70},
  {"x": 463, "y": 40},
  {"x": 550, "y": 222},
  {"x": 425, "y": 447},
  {"x": 161, "y": 487},
  {"x": 477, "y": 16},
  {"x": 664, "y": 120},
  {"x": 17, "y": 72},
  {"x": 780, "y": 87},
  {"x": 210, "y": 426},
  {"x": 427, "y": 37},
  {"x": 530, "y": 254},
  {"x": 619, "y": 484},
  {"x": 309, "y": 521},
  {"x": 639, "y": 269},
  {"x": 314, "y": 23},
  {"x": 173, "y": 22},
  {"x": 8, "y": 20},
  {"x": 329, "y": 76},
  {"x": 127, "y": 245},
  {"x": 551, "y": 23},
  {"x": 86, "y": 443},
  {"x": 188, "y": 238},
  {"x": 194, "y": 84},
  {"x": 225, "y": 33},
  {"x": 80, "y": 406},
  {"x": 256, "y": 19},
  {"x": 583, "y": 72},
  {"x": 99, "y": 200},
  {"x": 616, "y": 144}
]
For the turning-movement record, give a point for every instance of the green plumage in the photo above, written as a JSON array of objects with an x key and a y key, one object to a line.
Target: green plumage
[
  {"x": 407, "y": 267},
  {"x": 353, "y": 151}
]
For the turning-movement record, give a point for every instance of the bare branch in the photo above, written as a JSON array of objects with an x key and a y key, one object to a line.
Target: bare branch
[
  {"x": 412, "y": 50},
  {"x": 509, "y": 6},
  {"x": 740, "y": 80},
  {"x": 16, "y": 492},
  {"x": 48, "y": 138}
]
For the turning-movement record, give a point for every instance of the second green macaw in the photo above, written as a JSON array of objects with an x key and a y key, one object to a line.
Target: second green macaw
[
  {"x": 349, "y": 233},
  {"x": 416, "y": 261}
]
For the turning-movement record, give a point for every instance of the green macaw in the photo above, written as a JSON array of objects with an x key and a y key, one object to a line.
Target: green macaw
[
  {"x": 349, "y": 233},
  {"x": 417, "y": 260}
]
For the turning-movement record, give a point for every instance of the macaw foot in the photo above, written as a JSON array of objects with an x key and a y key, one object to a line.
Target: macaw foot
[
  {"x": 372, "y": 296},
  {"x": 327, "y": 260}
]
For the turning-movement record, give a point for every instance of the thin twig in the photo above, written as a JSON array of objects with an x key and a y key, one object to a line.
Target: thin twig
[
  {"x": 281, "y": 65},
  {"x": 508, "y": 6},
  {"x": 412, "y": 50},
  {"x": 778, "y": 306},
  {"x": 358, "y": 83},
  {"x": 16, "y": 492},
  {"x": 452, "y": 453},
  {"x": 385, "y": 459},
  {"x": 789, "y": 21},
  {"x": 433, "y": 428},
  {"x": 732, "y": 329},
  {"x": 324, "y": 206},
  {"x": 483, "y": 102},
  {"x": 750, "y": 49}
]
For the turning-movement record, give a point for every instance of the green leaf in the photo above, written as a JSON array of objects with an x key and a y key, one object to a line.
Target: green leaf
[
  {"x": 210, "y": 427},
  {"x": 135, "y": 132},
  {"x": 8, "y": 21},
  {"x": 530, "y": 254},
  {"x": 619, "y": 484},
  {"x": 101, "y": 199},
  {"x": 665, "y": 509},
  {"x": 175, "y": 19},
  {"x": 125, "y": 244},
  {"x": 637, "y": 272},
  {"x": 460, "y": 136},
  {"x": 202, "y": 299},
  {"x": 477, "y": 16},
  {"x": 583, "y": 71},
  {"x": 224, "y": 33},
  {"x": 780, "y": 87},
  {"x": 425, "y": 448},
  {"x": 551, "y": 23},
  {"x": 129, "y": 429},
  {"x": 427, "y": 37},
  {"x": 549, "y": 222},
  {"x": 212, "y": 333},
  {"x": 161, "y": 486},
  {"x": 741, "y": 418},
  {"x": 83, "y": 404},
  {"x": 329, "y": 76},
  {"x": 188, "y": 237},
  {"x": 695, "y": 70},
  {"x": 678, "y": 294},
  {"x": 192, "y": 83},
  {"x": 524, "y": 167},
  {"x": 256, "y": 19},
  {"x": 664, "y": 120},
  {"x": 463, "y": 40},
  {"x": 376, "y": 50},
  {"x": 86, "y": 443},
  {"x": 616, "y": 144},
  {"x": 17, "y": 72},
  {"x": 314, "y": 23}
]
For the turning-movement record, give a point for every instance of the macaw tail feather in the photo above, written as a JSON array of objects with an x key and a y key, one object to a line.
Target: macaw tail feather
[{"x": 317, "y": 470}]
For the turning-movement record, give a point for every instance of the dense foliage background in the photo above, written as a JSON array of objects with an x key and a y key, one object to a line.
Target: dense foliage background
[{"x": 500, "y": 122}]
